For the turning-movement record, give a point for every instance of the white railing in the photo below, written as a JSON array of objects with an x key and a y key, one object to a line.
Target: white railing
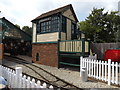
[
  {"x": 102, "y": 70},
  {"x": 15, "y": 79},
  {"x": 92, "y": 57}
]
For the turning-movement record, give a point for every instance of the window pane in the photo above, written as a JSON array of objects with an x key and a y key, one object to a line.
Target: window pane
[{"x": 50, "y": 25}]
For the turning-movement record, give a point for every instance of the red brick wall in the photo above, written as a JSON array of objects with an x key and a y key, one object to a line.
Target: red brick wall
[
  {"x": 1, "y": 51},
  {"x": 48, "y": 54},
  {"x": 0, "y": 28}
]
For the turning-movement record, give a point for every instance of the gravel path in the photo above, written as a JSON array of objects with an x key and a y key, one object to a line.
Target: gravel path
[
  {"x": 66, "y": 74},
  {"x": 74, "y": 78}
]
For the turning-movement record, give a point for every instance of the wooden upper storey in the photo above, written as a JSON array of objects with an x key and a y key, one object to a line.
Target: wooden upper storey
[{"x": 57, "y": 24}]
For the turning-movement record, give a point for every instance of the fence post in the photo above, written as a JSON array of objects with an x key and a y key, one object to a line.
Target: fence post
[
  {"x": 1, "y": 70},
  {"x": 24, "y": 81},
  {"x": 38, "y": 84},
  {"x": 28, "y": 82},
  {"x": 105, "y": 71},
  {"x": 51, "y": 87},
  {"x": 44, "y": 85},
  {"x": 18, "y": 73},
  {"x": 116, "y": 73},
  {"x": 81, "y": 58},
  {"x": 13, "y": 80},
  {"x": 33, "y": 83},
  {"x": 109, "y": 71}
]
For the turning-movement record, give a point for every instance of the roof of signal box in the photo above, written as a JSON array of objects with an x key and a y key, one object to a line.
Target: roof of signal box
[{"x": 55, "y": 11}]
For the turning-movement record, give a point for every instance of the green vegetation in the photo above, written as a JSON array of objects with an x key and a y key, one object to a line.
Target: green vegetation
[
  {"x": 101, "y": 26},
  {"x": 27, "y": 29}
]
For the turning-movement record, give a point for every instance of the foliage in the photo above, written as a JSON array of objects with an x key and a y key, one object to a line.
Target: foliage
[
  {"x": 17, "y": 25},
  {"x": 27, "y": 29},
  {"x": 101, "y": 26}
]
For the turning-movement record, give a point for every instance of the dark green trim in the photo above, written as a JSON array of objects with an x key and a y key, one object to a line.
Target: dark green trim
[
  {"x": 44, "y": 42},
  {"x": 58, "y": 53},
  {"x": 59, "y": 38},
  {"x": 83, "y": 46},
  {"x": 69, "y": 52},
  {"x": 69, "y": 64},
  {"x": 89, "y": 46},
  {"x": 74, "y": 57},
  {"x": 36, "y": 32},
  {"x": 69, "y": 40},
  {"x": 45, "y": 32}
]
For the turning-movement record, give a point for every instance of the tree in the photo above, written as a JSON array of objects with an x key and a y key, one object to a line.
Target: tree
[
  {"x": 17, "y": 25},
  {"x": 101, "y": 26},
  {"x": 27, "y": 29}
]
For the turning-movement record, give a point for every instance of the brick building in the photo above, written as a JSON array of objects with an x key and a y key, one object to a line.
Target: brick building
[{"x": 55, "y": 36}]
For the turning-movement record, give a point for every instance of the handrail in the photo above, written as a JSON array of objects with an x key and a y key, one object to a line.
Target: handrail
[
  {"x": 81, "y": 46},
  {"x": 69, "y": 40}
]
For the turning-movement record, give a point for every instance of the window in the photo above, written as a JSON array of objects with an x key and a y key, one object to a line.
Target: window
[
  {"x": 64, "y": 24},
  {"x": 45, "y": 26},
  {"x": 73, "y": 33},
  {"x": 37, "y": 57},
  {"x": 50, "y": 24}
]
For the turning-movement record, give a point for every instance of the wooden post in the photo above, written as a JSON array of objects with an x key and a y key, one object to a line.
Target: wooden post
[
  {"x": 113, "y": 72},
  {"x": 102, "y": 70},
  {"x": 92, "y": 68},
  {"x": 88, "y": 47},
  {"x": 97, "y": 69},
  {"x": 44, "y": 85},
  {"x": 105, "y": 71},
  {"x": 87, "y": 66},
  {"x": 28, "y": 82},
  {"x": 109, "y": 71},
  {"x": 33, "y": 83},
  {"x": 59, "y": 54},
  {"x": 51, "y": 87},
  {"x": 38, "y": 84},
  {"x": 0, "y": 70},
  {"x": 24, "y": 81},
  {"x": 83, "y": 46},
  {"x": 116, "y": 73},
  {"x": 81, "y": 58},
  {"x": 18, "y": 73}
]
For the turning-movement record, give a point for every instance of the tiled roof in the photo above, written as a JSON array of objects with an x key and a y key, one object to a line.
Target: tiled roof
[{"x": 58, "y": 10}]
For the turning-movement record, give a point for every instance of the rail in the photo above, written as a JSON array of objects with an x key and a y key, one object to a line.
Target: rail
[{"x": 54, "y": 80}]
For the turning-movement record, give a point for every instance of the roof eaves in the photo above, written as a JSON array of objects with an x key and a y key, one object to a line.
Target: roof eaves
[{"x": 58, "y": 10}]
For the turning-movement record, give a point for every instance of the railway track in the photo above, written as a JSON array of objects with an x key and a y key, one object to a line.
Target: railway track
[{"x": 45, "y": 75}]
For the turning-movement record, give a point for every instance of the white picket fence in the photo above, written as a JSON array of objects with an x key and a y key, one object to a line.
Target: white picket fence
[
  {"x": 102, "y": 70},
  {"x": 15, "y": 79},
  {"x": 92, "y": 57}
]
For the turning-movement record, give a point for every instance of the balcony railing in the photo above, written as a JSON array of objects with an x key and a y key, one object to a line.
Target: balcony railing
[{"x": 74, "y": 46}]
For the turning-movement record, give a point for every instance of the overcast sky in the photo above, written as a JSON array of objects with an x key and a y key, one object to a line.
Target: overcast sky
[{"x": 21, "y": 12}]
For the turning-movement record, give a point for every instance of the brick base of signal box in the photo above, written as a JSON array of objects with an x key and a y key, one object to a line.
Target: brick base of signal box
[{"x": 48, "y": 54}]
